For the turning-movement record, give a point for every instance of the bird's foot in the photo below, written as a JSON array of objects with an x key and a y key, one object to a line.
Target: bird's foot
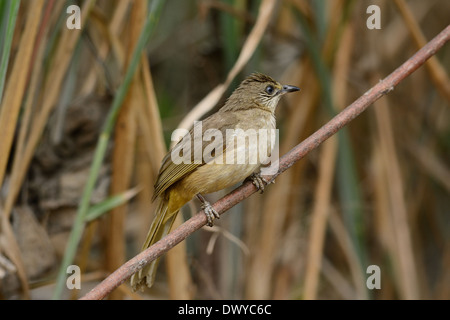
[
  {"x": 210, "y": 212},
  {"x": 258, "y": 181}
]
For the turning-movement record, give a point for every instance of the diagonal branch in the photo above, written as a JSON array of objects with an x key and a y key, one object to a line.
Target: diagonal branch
[{"x": 295, "y": 154}]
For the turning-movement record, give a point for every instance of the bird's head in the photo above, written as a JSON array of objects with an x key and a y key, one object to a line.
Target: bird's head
[{"x": 261, "y": 90}]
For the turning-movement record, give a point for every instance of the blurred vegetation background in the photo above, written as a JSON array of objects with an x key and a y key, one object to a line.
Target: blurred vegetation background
[{"x": 82, "y": 137}]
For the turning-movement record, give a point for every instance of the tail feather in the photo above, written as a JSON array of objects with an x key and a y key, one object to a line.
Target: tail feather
[{"x": 161, "y": 225}]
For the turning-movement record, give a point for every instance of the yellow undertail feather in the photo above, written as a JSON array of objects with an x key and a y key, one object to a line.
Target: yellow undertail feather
[{"x": 161, "y": 225}]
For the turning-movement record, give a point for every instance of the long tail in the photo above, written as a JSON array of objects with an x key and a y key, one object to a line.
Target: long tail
[{"x": 161, "y": 225}]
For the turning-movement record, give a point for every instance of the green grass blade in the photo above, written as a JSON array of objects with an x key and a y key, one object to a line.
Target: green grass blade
[
  {"x": 96, "y": 211},
  {"x": 230, "y": 37},
  {"x": 8, "y": 13},
  {"x": 320, "y": 17}
]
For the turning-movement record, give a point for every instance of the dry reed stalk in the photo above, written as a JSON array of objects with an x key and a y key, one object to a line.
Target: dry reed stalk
[
  {"x": 320, "y": 210},
  {"x": 151, "y": 113},
  {"x": 259, "y": 276},
  {"x": 406, "y": 270},
  {"x": 122, "y": 163},
  {"x": 144, "y": 178},
  {"x": 96, "y": 35},
  {"x": 14, "y": 184},
  {"x": 15, "y": 87},
  {"x": 383, "y": 225},
  {"x": 112, "y": 34},
  {"x": 395, "y": 35},
  {"x": 48, "y": 97},
  {"x": 151, "y": 149},
  {"x": 35, "y": 75},
  {"x": 9, "y": 112},
  {"x": 179, "y": 278},
  {"x": 437, "y": 71},
  {"x": 337, "y": 280},
  {"x": 124, "y": 148},
  {"x": 146, "y": 168},
  {"x": 302, "y": 106},
  {"x": 434, "y": 166}
]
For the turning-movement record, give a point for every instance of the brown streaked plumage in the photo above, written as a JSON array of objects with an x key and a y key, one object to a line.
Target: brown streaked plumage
[{"x": 251, "y": 106}]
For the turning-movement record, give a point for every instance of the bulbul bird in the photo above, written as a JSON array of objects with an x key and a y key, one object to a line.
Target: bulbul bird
[{"x": 251, "y": 106}]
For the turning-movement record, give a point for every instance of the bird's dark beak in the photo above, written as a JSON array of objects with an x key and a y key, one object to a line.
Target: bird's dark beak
[{"x": 287, "y": 88}]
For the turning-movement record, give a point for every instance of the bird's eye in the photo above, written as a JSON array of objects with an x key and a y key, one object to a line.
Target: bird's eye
[{"x": 269, "y": 89}]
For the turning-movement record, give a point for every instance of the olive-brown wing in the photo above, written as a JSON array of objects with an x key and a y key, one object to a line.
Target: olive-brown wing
[{"x": 171, "y": 172}]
